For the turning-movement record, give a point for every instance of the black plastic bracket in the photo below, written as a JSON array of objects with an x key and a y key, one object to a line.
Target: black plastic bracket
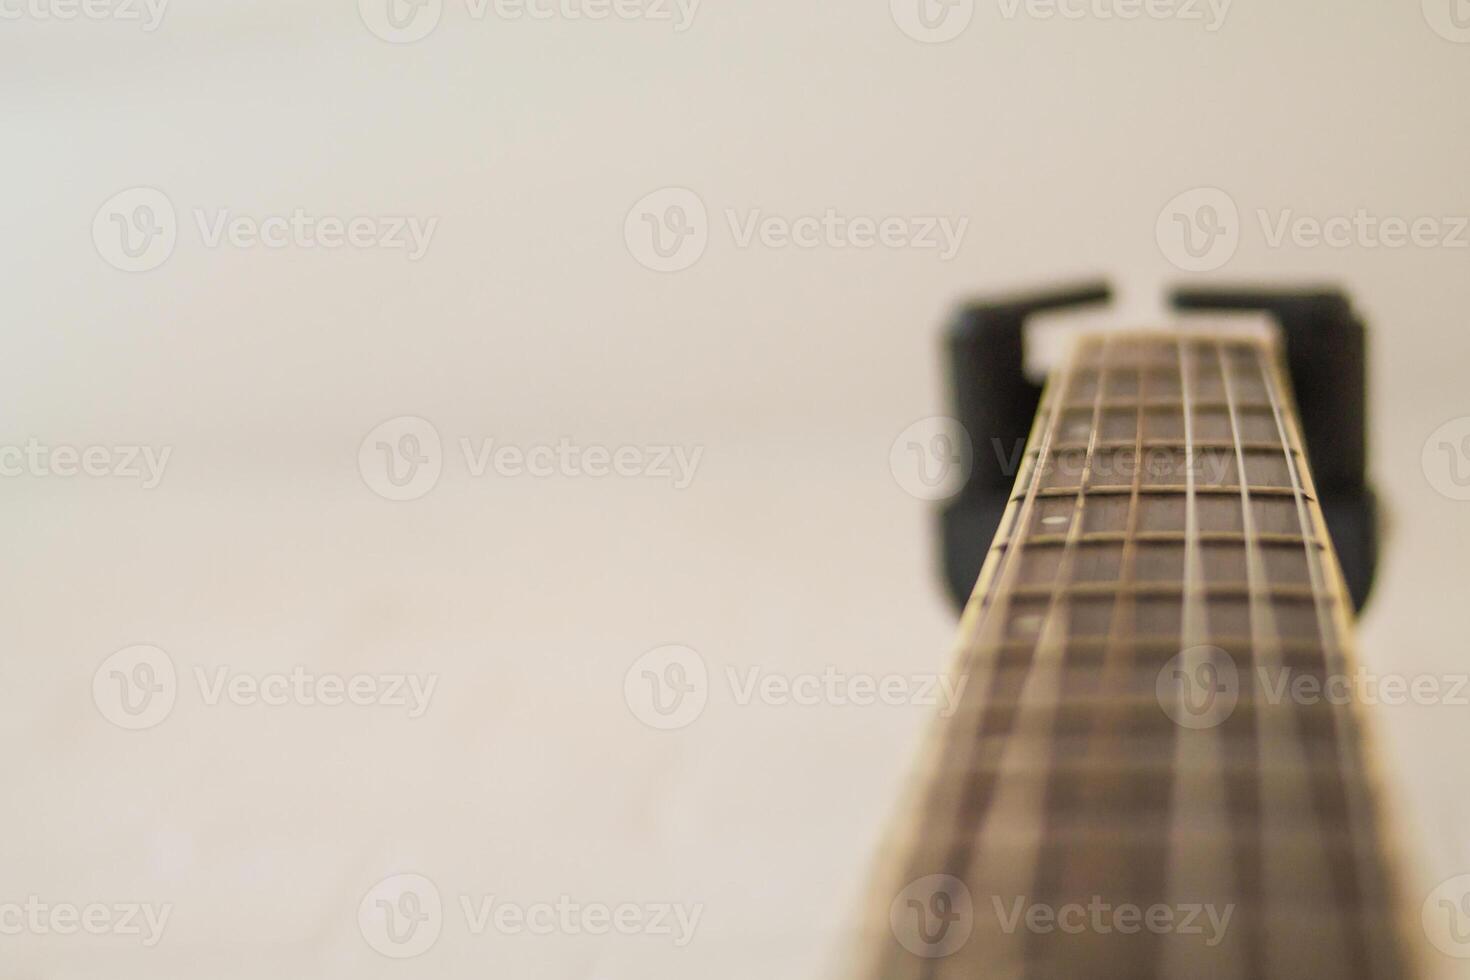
[
  {"x": 1325, "y": 349},
  {"x": 996, "y": 403}
]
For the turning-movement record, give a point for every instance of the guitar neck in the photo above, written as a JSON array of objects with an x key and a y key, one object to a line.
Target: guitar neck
[{"x": 1136, "y": 785}]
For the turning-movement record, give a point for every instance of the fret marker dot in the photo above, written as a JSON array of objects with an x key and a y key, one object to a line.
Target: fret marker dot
[
  {"x": 1055, "y": 519},
  {"x": 1028, "y": 624}
]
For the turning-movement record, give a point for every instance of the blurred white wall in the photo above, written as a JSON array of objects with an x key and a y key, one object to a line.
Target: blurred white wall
[{"x": 1058, "y": 144}]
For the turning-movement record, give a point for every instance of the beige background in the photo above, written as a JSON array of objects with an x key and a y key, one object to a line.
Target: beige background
[{"x": 529, "y": 320}]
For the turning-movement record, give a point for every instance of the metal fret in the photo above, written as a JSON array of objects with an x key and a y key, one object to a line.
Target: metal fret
[{"x": 1163, "y": 520}]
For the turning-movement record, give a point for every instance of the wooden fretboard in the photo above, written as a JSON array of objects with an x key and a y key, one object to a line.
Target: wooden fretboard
[{"x": 1124, "y": 742}]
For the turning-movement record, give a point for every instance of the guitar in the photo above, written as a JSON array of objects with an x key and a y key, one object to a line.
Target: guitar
[{"x": 1158, "y": 769}]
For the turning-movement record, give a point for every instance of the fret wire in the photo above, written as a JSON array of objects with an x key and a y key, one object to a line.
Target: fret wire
[
  {"x": 1159, "y": 442},
  {"x": 1129, "y": 589},
  {"x": 1258, "y": 404},
  {"x": 1154, "y": 647},
  {"x": 1170, "y": 489}
]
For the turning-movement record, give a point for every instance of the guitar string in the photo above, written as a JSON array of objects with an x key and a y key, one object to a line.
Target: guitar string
[
  {"x": 1196, "y": 607},
  {"x": 1060, "y": 860},
  {"x": 1012, "y": 830},
  {"x": 1197, "y": 792},
  {"x": 1362, "y": 956},
  {"x": 988, "y": 627},
  {"x": 1283, "y": 776}
]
